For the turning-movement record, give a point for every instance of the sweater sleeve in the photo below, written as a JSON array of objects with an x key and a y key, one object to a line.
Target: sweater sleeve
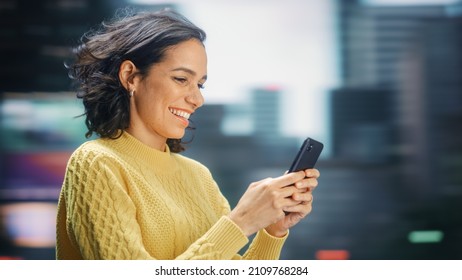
[
  {"x": 101, "y": 217},
  {"x": 265, "y": 247}
]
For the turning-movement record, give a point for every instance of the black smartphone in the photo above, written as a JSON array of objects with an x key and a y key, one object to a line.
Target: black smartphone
[{"x": 307, "y": 155}]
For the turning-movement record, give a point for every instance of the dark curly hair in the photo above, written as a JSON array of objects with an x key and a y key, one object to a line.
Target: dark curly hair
[{"x": 141, "y": 38}]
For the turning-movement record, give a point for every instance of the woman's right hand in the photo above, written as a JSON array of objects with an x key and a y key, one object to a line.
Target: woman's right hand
[{"x": 264, "y": 202}]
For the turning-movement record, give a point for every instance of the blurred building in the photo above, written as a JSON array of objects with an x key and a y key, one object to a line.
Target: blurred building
[
  {"x": 414, "y": 53},
  {"x": 35, "y": 38},
  {"x": 362, "y": 126},
  {"x": 431, "y": 111},
  {"x": 431, "y": 103},
  {"x": 411, "y": 54},
  {"x": 266, "y": 112},
  {"x": 374, "y": 39}
]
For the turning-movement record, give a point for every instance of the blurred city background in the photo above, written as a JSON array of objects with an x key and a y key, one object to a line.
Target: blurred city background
[{"x": 379, "y": 82}]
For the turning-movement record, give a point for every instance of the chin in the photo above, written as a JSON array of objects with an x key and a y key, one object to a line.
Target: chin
[{"x": 177, "y": 135}]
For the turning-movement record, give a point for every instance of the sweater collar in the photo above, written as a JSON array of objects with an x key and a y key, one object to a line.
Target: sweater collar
[{"x": 142, "y": 153}]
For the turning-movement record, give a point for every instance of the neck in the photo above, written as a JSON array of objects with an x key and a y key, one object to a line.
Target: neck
[{"x": 154, "y": 141}]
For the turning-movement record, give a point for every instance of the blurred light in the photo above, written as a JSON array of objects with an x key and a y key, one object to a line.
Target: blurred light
[
  {"x": 425, "y": 236},
  {"x": 273, "y": 87},
  {"x": 30, "y": 224},
  {"x": 5, "y": 258},
  {"x": 332, "y": 255}
]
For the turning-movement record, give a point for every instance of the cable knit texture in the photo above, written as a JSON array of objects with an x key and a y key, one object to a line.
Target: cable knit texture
[{"x": 124, "y": 200}]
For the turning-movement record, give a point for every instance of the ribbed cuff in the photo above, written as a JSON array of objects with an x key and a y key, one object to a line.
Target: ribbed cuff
[
  {"x": 227, "y": 236},
  {"x": 266, "y": 246}
]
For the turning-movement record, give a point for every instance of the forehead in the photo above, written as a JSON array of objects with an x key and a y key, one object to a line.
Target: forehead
[{"x": 189, "y": 54}]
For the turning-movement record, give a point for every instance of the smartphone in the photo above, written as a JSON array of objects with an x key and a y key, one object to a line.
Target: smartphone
[{"x": 307, "y": 155}]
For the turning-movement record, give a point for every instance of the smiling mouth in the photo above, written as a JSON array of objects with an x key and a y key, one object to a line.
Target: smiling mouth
[{"x": 180, "y": 113}]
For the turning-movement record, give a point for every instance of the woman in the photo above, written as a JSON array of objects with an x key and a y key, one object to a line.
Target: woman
[{"x": 129, "y": 194}]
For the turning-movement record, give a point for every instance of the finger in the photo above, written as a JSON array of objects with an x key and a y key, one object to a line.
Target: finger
[
  {"x": 309, "y": 201},
  {"x": 288, "y": 179},
  {"x": 289, "y": 202},
  {"x": 310, "y": 183},
  {"x": 287, "y": 191},
  {"x": 303, "y": 197},
  {"x": 302, "y": 209},
  {"x": 312, "y": 173},
  {"x": 285, "y": 203},
  {"x": 302, "y": 190}
]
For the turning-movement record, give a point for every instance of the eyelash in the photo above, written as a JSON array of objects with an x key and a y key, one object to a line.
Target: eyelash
[
  {"x": 183, "y": 80},
  {"x": 180, "y": 80}
]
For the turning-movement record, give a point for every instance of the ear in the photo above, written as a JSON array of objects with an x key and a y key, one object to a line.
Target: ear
[{"x": 127, "y": 73}]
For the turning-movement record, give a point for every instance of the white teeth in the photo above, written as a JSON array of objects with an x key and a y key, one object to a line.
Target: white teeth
[{"x": 180, "y": 113}]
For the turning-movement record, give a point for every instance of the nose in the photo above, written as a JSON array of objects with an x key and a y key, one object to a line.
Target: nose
[{"x": 195, "y": 98}]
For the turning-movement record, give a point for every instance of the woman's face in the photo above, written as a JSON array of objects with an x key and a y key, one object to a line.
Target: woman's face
[{"x": 163, "y": 101}]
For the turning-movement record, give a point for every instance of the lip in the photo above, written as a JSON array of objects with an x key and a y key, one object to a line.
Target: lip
[{"x": 184, "y": 121}]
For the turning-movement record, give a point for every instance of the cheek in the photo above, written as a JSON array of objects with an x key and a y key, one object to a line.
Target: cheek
[
  {"x": 146, "y": 108},
  {"x": 154, "y": 101},
  {"x": 154, "y": 110}
]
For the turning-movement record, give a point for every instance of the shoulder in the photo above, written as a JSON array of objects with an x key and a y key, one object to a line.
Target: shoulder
[
  {"x": 189, "y": 162},
  {"x": 96, "y": 165},
  {"x": 92, "y": 152},
  {"x": 192, "y": 165}
]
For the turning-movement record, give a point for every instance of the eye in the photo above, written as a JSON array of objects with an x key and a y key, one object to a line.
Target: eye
[
  {"x": 201, "y": 86},
  {"x": 180, "y": 80}
]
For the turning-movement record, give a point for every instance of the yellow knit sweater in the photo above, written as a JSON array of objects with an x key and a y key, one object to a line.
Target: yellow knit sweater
[{"x": 123, "y": 200}]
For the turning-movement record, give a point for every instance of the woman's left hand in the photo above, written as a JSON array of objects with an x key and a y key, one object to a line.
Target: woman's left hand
[{"x": 296, "y": 213}]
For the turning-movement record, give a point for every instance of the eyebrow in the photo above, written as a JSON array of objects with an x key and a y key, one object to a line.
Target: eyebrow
[{"x": 188, "y": 71}]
